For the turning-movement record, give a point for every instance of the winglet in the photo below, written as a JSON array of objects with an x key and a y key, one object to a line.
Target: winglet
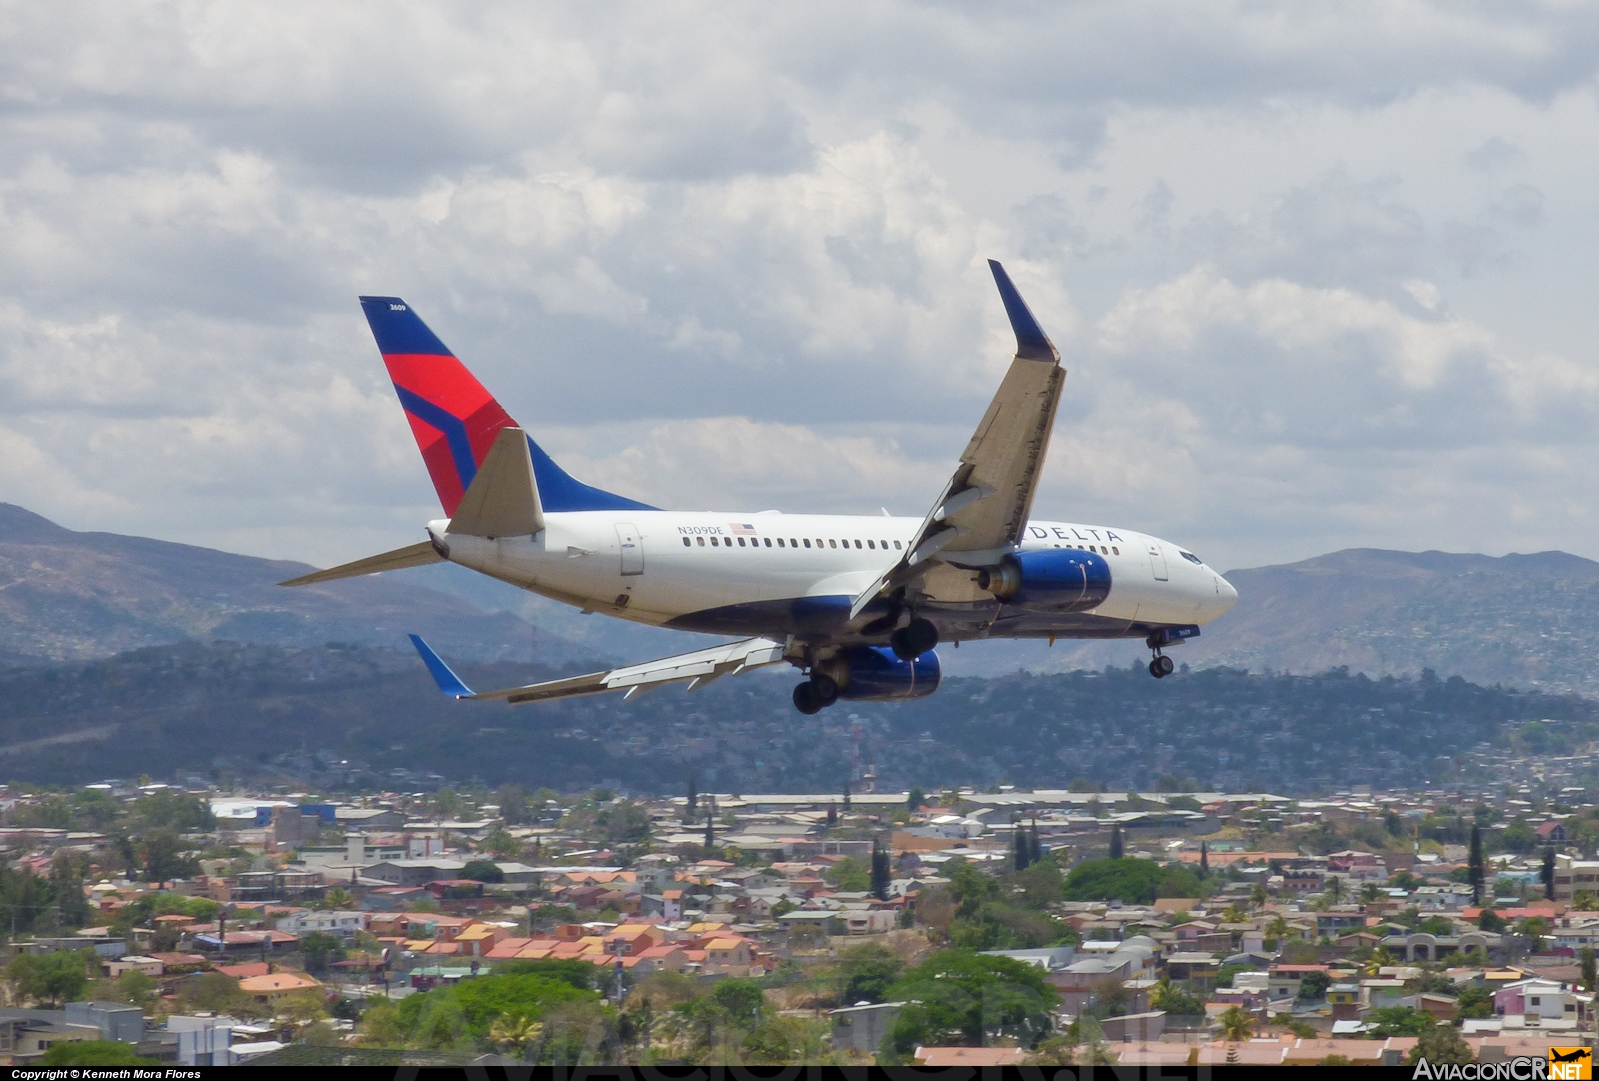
[
  {"x": 448, "y": 681},
  {"x": 1031, "y": 341}
]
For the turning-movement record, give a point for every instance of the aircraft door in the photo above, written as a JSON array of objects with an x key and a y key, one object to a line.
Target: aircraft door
[
  {"x": 1157, "y": 562},
  {"x": 627, "y": 539}
]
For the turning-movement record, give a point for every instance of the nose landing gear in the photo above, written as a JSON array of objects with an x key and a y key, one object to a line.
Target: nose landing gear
[{"x": 1161, "y": 666}]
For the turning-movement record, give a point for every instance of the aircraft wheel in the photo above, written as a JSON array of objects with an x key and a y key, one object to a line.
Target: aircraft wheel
[
  {"x": 805, "y": 699},
  {"x": 1155, "y": 669},
  {"x": 912, "y": 640},
  {"x": 824, "y": 688},
  {"x": 1167, "y": 667}
]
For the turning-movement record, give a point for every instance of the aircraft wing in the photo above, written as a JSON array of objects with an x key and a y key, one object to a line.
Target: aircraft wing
[
  {"x": 980, "y": 515},
  {"x": 698, "y": 668}
]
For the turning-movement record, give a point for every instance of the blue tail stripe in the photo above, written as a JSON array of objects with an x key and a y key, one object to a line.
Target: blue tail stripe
[
  {"x": 454, "y": 430},
  {"x": 448, "y": 681}
]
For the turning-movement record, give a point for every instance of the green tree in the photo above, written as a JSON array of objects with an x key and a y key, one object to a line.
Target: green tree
[
  {"x": 964, "y": 998},
  {"x": 1475, "y": 867},
  {"x": 162, "y": 856},
  {"x": 51, "y": 977},
  {"x": 1441, "y": 1045},
  {"x": 1398, "y": 1021},
  {"x": 850, "y": 875},
  {"x": 512, "y": 799},
  {"x": 868, "y": 970},
  {"x": 915, "y": 798},
  {"x": 94, "y": 1053},
  {"x": 1589, "y": 975},
  {"x": 1115, "y": 842},
  {"x": 320, "y": 949},
  {"x": 482, "y": 871},
  {"x": 1474, "y": 1002},
  {"x": 742, "y": 999},
  {"x": 1133, "y": 882},
  {"x": 1313, "y": 985},
  {"x": 1489, "y": 920},
  {"x": 501, "y": 845}
]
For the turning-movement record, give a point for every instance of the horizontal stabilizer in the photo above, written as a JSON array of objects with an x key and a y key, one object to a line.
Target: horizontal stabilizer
[
  {"x": 448, "y": 681},
  {"x": 415, "y": 555},
  {"x": 503, "y": 499},
  {"x": 698, "y": 668}
]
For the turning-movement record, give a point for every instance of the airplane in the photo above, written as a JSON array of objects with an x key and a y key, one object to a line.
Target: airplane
[{"x": 857, "y": 603}]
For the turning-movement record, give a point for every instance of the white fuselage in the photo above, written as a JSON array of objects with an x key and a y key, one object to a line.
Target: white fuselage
[{"x": 672, "y": 568}]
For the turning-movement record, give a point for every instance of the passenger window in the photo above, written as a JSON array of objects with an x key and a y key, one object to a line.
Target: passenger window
[
  {"x": 687, "y": 543},
  {"x": 896, "y": 546},
  {"x": 1115, "y": 550},
  {"x": 768, "y": 542},
  {"x": 832, "y": 544},
  {"x": 701, "y": 540},
  {"x": 780, "y": 542},
  {"x": 857, "y": 544},
  {"x": 741, "y": 542},
  {"x": 871, "y": 544},
  {"x": 714, "y": 543},
  {"x": 807, "y": 542}
]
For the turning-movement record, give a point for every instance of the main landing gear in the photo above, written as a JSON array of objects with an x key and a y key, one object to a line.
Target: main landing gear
[
  {"x": 815, "y": 694},
  {"x": 912, "y": 640}
]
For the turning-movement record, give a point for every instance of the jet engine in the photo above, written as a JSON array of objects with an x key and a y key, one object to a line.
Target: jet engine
[
  {"x": 1050, "y": 580},
  {"x": 875, "y": 674}
]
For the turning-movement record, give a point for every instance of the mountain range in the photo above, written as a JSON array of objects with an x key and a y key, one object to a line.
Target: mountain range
[
  {"x": 71, "y": 596},
  {"x": 1517, "y": 620}
]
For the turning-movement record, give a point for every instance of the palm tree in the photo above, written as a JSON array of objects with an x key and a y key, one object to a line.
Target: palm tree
[
  {"x": 337, "y": 898},
  {"x": 1334, "y": 888},
  {"x": 1277, "y": 928},
  {"x": 1379, "y": 959},
  {"x": 1370, "y": 892},
  {"x": 1584, "y": 901},
  {"x": 1236, "y": 1024},
  {"x": 514, "y": 1031}
]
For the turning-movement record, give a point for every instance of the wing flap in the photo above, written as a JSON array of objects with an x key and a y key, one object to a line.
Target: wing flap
[
  {"x": 413, "y": 555},
  {"x": 698, "y": 668}
]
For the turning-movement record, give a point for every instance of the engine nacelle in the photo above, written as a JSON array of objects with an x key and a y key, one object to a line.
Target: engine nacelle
[
  {"x": 1050, "y": 580},
  {"x": 875, "y": 674}
]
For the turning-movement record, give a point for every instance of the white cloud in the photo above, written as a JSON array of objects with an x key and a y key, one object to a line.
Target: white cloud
[{"x": 1320, "y": 275}]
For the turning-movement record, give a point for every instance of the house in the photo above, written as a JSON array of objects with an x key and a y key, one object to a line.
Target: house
[
  {"x": 343, "y": 924},
  {"x": 1551, "y": 832},
  {"x": 862, "y": 1028},
  {"x": 1541, "y": 1001},
  {"x": 276, "y": 985}
]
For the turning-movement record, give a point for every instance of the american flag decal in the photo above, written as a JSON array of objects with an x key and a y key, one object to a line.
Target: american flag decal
[{"x": 743, "y": 529}]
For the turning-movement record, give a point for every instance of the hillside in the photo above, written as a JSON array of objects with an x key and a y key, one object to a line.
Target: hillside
[
  {"x": 1522, "y": 620},
  {"x": 373, "y": 718},
  {"x": 66, "y": 595}
]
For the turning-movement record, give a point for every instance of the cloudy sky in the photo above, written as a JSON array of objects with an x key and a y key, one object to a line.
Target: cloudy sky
[{"x": 1323, "y": 275}]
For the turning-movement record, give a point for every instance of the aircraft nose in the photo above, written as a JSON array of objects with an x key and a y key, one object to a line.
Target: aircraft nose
[{"x": 1226, "y": 595}]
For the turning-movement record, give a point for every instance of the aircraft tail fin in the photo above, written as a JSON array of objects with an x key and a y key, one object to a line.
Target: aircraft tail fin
[{"x": 456, "y": 420}]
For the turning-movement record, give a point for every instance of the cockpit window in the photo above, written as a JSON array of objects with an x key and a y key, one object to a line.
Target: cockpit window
[{"x": 1192, "y": 558}]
